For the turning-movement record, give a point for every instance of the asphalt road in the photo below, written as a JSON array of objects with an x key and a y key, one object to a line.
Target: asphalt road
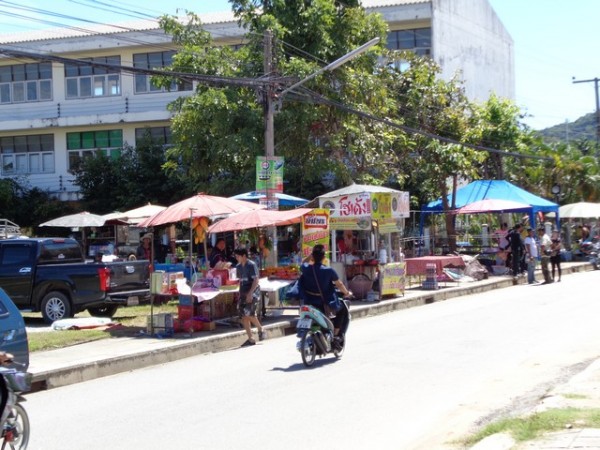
[{"x": 414, "y": 379}]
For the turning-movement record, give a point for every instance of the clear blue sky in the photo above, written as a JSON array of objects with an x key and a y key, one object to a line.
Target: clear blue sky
[{"x": 555, "y": 40}]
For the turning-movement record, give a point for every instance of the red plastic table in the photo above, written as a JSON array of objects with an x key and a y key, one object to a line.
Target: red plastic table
[{"x": 417, "y": 266}]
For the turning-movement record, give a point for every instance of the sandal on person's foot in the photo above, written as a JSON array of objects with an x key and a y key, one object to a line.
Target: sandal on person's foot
[{"x": 248, "y": 343}]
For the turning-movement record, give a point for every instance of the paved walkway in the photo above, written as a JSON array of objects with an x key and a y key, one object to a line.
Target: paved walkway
[{"x": 105, "y": 357}]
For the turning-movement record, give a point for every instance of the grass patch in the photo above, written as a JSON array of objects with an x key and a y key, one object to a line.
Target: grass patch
[
  {"x": 132, "y": 319},
  {"x": 574, "y": 396},
  {"x": 528, "y": 428}
]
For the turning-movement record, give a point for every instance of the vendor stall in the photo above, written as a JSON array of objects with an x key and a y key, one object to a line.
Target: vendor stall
[{"x": 365, "y": 223}]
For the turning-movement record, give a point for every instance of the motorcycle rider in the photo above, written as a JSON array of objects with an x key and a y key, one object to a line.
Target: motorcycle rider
[{"x": 317, "y": 285}]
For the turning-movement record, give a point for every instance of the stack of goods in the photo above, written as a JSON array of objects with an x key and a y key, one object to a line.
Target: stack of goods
[
  {"x": 430, "y": 282},
  {"x": 193, "y": 317},
  {"x": 281, "y": 273}
]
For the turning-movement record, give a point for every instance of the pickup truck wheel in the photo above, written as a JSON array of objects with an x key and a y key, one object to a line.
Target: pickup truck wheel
[
  {"x": 55, "y": 306},
  {"x": 103, "y": 311}
]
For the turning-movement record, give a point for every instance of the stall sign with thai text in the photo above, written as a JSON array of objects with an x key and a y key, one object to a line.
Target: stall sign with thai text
[
  {"x": 349, "y": 212},
  {"x": 400, "y": 205},
  {"x": 381, "y": 205},
  {"x": 393, "y": 277},
  {"x": 391, "y": 225},
  {"x": 315, "y": 230}
]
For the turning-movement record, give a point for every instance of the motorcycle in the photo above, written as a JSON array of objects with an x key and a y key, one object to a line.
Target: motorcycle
[
  {"x": 316, "y": 334},
  {"x": 14, "y": 425}
]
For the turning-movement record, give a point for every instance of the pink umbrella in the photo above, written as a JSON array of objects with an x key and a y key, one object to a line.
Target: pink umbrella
[
  {"x": 200, "y": 205},
  {"x": 258, "y": 219},
  {"x": 492, "y": 205}
]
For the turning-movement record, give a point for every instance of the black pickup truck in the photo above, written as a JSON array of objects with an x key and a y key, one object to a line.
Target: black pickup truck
[{"x": 51, "y": 275}]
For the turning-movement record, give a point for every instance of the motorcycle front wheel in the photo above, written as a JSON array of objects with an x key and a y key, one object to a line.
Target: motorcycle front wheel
[
  {"x": 308, "y": 349},
  {"x": 16, "y": 429}
]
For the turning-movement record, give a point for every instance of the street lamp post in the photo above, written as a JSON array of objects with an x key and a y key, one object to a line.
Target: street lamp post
[{"x": 270, "y": 106}]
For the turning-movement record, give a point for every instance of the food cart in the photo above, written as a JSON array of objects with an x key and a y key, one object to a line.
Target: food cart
[{"x": 365, "y": 223}]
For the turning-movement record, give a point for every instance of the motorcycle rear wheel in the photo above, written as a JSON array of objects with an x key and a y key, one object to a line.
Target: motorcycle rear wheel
[
  {"x": 308, "y": 349},
  {"x": 16, "y": 430}
]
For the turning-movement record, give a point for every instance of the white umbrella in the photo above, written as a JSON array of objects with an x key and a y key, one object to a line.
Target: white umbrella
[
  {"x": 579, "y": 210},
  {"x": 135, "y": 216},
  {"x": 82, "y": 219}
]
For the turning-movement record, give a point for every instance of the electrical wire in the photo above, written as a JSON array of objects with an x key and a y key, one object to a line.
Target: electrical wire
[{"x": 318, "y": 98}]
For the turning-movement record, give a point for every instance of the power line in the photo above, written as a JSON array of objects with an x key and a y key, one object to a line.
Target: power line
[
  {"x": 207, "y": 79},
  {"x": 324, "y": 100}
]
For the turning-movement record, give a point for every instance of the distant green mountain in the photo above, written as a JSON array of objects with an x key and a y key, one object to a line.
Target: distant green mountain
[{"x": 583, "y": 128}]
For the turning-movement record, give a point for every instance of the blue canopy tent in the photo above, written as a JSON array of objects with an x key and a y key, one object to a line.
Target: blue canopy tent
[
  {"x": 284, "y": 199},
  {"x": 492, "y": 189}
]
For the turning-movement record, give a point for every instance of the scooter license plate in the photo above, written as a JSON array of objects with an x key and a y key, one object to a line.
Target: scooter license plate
[{"x": 304, "y": 324}]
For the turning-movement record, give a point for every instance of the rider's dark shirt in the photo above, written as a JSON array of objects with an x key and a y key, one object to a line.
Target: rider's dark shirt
[{"x": 309, "y": 286}]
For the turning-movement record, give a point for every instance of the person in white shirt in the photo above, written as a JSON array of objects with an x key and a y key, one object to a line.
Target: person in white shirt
[
  {"x": 531, "y": 253},
  {"x": 545, "y": 252}
]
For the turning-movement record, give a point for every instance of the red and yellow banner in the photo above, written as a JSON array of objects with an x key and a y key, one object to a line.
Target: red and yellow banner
[{"x": 315, "y": 230}]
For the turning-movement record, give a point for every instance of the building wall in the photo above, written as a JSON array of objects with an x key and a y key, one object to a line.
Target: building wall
[
  {"x": 60, "y": 115},
  {"x": 467, "y": 36},
  {"x": 469, "y": 39}
]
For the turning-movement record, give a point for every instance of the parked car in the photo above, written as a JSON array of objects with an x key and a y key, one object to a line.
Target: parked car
[
  {"x": 13, "y": 335},
  {"x": 50, "y": 275}
]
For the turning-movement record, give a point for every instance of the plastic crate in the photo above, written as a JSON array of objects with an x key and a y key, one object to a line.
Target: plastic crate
[{"x": 160, "y": 324}]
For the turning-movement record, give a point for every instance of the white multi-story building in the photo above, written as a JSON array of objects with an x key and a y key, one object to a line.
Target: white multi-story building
[{"x": 53, "y": 113}]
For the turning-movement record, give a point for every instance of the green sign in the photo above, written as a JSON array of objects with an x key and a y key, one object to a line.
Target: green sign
[{"x": 269, "y": 174}]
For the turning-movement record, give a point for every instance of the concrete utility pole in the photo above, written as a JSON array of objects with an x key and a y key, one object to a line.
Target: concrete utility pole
[
  {"x": 595, "y": 81},
  {"x": 269, "y": 105},
  {"x": 269, "y": 112}
]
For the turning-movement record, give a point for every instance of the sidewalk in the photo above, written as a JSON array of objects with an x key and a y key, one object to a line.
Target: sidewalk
[
  {"x": 105, "y": 357},
  {"x": 581, "y": 392}
]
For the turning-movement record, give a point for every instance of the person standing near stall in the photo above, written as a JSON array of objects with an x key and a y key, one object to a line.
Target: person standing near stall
[
  {"x": 531, "y": 251},
  {"x": 144, "y": 251},
  {"x": 555, "y": 254},
  {"x": 247, "y": 273},
  {"x": 219, "y": 254},
  {"x": 545, "y": 252},
  {"x": 516, "y": 248}
]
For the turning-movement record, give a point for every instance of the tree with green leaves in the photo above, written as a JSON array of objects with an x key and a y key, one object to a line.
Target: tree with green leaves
[
  {"x": 133, "y": 178},
  {"x": 219, "y": 131}
]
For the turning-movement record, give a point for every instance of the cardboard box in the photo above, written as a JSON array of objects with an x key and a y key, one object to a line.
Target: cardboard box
[{"x": 185, "y": 300}]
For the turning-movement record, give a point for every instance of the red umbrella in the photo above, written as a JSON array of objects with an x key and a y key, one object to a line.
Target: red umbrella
[
  {"x": 200, "y": 205},
  {"x": 258, "y": 219},
  {"x": 493, "y": 205}
]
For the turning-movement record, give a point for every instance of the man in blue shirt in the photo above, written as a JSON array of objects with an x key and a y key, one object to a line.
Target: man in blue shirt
[{"x": 247, "y": 273}]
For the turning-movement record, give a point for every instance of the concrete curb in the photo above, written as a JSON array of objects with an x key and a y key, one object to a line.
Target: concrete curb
[{"x": 175, "y": 350}]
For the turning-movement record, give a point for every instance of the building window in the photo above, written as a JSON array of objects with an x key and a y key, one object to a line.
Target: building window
[
  {"x": 151, "y": 61},
  {"x": 88, "y": 143},
  {"x": 158, "y": 135},
  {"x": 27, "y": 154},
  {"x": 416, "y": 40},
  {"x": 87, "y": 80},
  {"x": 26, "y": 83}
]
